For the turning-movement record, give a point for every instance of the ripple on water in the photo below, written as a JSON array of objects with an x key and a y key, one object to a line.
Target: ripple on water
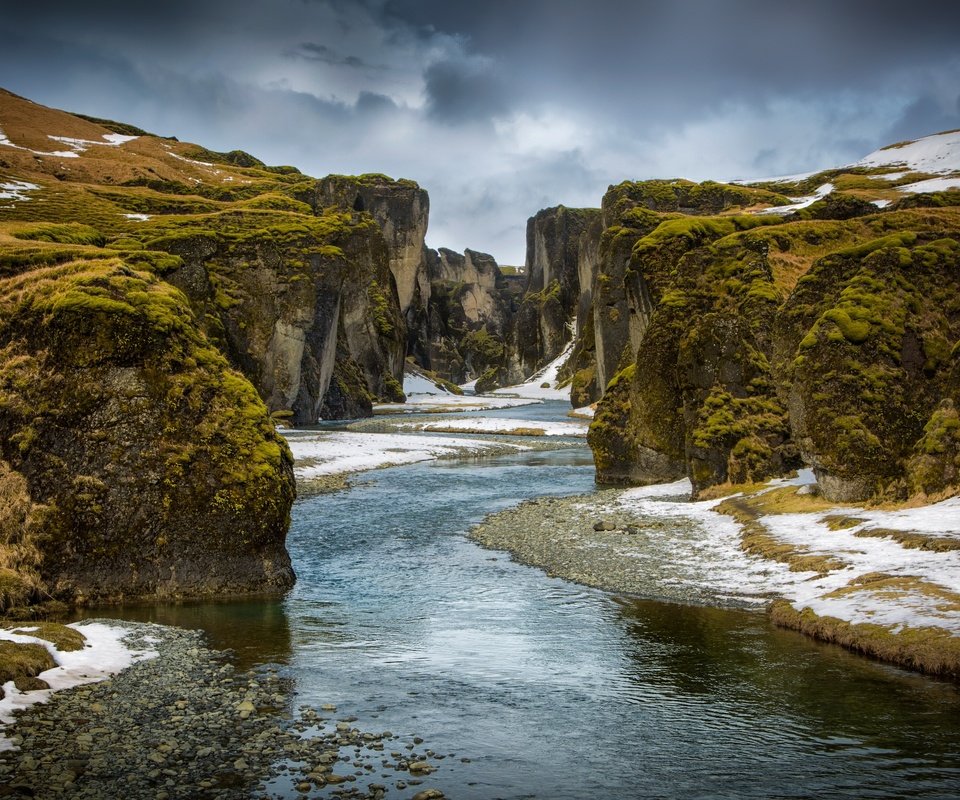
[{"x": 556, "y": 691}]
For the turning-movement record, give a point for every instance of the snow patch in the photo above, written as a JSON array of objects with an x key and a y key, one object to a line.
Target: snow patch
[
  {"x": 534, "y": 388},
  {"x": 338, "y": 452},
  {"x": 799, "y": 176},
  {"x": 76, "y": 146},
  {"x": 138, "y": 217},
  {"x": 889, "y": 176},
  {"x": 104, "y": 654},
  {"x": 16, "y": 190},
  {"x": 416, "y": 383},
  {"x": 931, "y": 185},
  {"x": 801, "y": 202},
  {"x": 57, "y": 153},
  {"x": 82, "y": 145},
  {"x": 939, "y": 153},
  {"x": 192, "y": 161}
]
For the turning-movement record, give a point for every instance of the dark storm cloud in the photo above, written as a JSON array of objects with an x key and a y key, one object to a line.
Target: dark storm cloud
[
  {"x": 464, "y": 90},
  {"x": 923, "y": 116},
  {"x": 312, "y": 51},
  {"x": 501, "y": 107}
]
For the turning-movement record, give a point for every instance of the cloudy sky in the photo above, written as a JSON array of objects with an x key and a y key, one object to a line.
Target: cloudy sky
[{"x": 502, "y": 107}]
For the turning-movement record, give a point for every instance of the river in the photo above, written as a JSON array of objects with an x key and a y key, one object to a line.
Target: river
[{"x": 535, "y": 687}]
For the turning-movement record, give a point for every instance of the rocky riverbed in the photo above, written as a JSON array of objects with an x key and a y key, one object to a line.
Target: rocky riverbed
[
  {"x": 596, "y": 541},
  {"x": 187, "y": 724}
]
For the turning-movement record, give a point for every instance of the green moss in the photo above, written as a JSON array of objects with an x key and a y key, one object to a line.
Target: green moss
[
  {"x": 237, "y": 158},
  {"x": 274, "y": 201},
  {"x": 899, "y": 239},
  {"x": 697, "y": 230},
  {"x": 381, "y": 310},
  {"x": 482, "y": 347},
  {"x": 392, "y": 390},
  {"x": 67, "y": 233},
  {"x": 63, "y": 638},
  {"x": 23, "y": 660},
  {"x": 488, "y": 381}
]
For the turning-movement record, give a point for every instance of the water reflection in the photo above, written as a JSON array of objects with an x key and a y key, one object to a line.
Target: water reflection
[
  {"x": 256, "y": 631},
  {"x": 555, "y": 691}
]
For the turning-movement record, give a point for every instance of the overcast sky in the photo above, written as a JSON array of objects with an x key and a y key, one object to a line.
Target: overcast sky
[{"x": 502, "y": 107}]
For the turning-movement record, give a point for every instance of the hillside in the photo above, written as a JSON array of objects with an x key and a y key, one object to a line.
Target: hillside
[
  {"x": 163, "y": 306},
  {"x": 739, "y": 337}
]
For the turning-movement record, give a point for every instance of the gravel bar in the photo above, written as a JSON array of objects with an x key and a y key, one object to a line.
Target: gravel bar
[
  {"x": 594, "y": 541},
  {"x": 187, "y": 724}
]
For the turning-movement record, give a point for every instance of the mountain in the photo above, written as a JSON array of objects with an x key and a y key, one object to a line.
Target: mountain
[
  {"x": 162, "y": 307},
  {"x": 746, "y": 330}
]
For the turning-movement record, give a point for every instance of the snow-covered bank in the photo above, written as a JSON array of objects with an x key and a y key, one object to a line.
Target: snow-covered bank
[
  {"x": 451, "y": 403},
  {"x": 543, "y": 385},
  {"x": 103, "y": 654},
  {"x": 879, "y": 573},
  {"x": 501, "y": 425},
  {"x": 320, "y": 454}
]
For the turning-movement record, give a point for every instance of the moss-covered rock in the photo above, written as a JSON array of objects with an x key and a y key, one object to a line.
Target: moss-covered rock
[
  {"x": 873, "y": 363},
  {"x": 934, "y": 466},
  {"x": 552, "y": 294},
  {"x": 145, "y": 466},
  {"x": 760, "y": 343}
]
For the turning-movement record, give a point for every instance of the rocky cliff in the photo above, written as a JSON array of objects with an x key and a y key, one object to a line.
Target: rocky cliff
[
  {"x": 401, "y": 209},
  {"x": 304, "y": 306},
  {"x": 133, "y": 461},
  {"x": 163, "y": 305},
  {"x": 469, "y": 308},
  {"x": 821, "y": 335},
  {"x": 548, "y": 310}
]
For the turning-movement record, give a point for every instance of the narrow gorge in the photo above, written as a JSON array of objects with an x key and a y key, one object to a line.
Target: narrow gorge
[{"x": 522, "y": 515}]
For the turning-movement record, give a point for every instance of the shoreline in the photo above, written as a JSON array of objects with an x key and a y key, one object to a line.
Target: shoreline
[
  {"x": 615, "y": 540},
  {"x": 186, "y": 723}
]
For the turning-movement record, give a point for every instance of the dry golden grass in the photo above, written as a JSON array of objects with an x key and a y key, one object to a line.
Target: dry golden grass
[
  {"x": 519, "y": 431},
  {"x": 19, "y": 557},
  {"x": 937, "y": 598},
  {"x": 913, "y": 539},
  {"x": 757, "y": 540},
  {"x": 930, "y": 650},
  {"x": 63, "y": 638},
  {"x": 30, "y": 125}
]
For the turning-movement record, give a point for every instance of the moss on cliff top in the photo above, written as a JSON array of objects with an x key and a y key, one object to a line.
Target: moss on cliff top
[
  {"x": 373, "y": 179},
  {"x": 689, "y": 197}
]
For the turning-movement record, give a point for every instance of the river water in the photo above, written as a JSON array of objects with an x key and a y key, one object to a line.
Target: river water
[{"x": 554, "y": 691}]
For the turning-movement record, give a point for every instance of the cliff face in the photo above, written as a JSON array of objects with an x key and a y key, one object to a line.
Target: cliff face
[
  {"x": 467, "y": 313},
  {"x": 304, "y": 307},
  {"x": 548, "y": 310},
  {"x": 150, "y": 290},
  {"x": 401, "y": 209},
  {"x": 140, "y": 464},
  {"x": 757, "y": 344}
]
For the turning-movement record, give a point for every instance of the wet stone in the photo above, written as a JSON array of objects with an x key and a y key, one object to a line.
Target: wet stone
[{"x": 233, "y": 734}]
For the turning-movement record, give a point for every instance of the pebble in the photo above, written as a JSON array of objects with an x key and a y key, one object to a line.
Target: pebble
[
  {"x": 637, "y": 553},
  {"x": 234, "y": 735}
]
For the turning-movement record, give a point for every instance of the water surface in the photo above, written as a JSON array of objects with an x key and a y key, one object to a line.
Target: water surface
[{"x": 556, "y": 691}]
